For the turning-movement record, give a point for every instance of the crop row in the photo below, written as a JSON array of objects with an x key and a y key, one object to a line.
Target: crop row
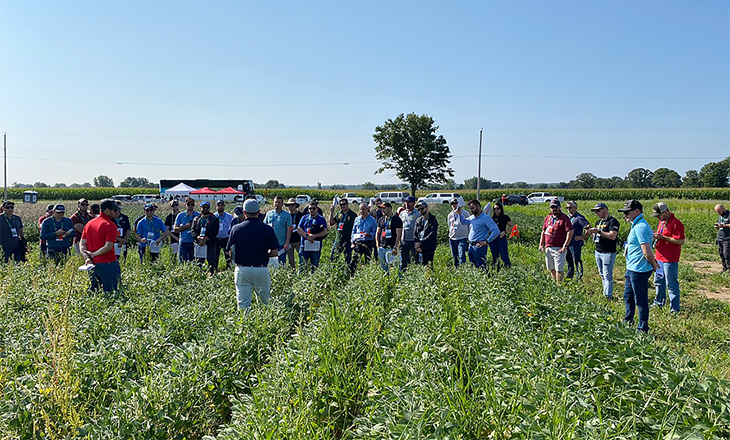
[
  {"x": 441, "y": 356},
  {"x": 161, "y": 361}
]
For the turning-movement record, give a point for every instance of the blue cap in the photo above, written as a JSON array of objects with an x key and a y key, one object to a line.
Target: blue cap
[
  {"x": 59, "y": 208},
  {"x": 238, "y": 210},
  {"x": 251, "y": 206},
  {"x": 149, "y": 206},
  {"x": 410, "y": 199},
  {"x": 220, "y": 202},
  {"x": 205, "y": 204},
  {"x": 599, "y": 206}
]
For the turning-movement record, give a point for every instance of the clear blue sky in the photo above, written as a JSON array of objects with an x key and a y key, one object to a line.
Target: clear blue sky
[{"x": 293, "y": 90}]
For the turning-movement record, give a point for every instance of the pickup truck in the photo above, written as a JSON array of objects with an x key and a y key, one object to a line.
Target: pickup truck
[
  {"x": 351, "y": 197},
  {"x": 542, "y": 197}
]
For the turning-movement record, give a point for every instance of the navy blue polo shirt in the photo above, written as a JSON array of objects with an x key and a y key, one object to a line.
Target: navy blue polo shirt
[{"x": 252, "y": 240}]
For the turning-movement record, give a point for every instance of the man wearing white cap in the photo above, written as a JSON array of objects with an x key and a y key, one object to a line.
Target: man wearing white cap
[
  {"x": 252, "y": 243},
  {"x": 669, "y": 239}
]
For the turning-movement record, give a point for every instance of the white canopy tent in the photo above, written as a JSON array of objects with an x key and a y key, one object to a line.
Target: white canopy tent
[{"x": 180, "y": 189}]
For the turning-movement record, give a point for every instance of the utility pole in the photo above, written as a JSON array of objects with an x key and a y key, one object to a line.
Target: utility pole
[
  {"x": 479, "y": 167},
  {"x": 5, "y": 163}
]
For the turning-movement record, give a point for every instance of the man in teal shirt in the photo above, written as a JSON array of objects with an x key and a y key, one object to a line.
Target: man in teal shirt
[
  {"x": 280, "y": 221},
  {"x": 640, "y": 264}
]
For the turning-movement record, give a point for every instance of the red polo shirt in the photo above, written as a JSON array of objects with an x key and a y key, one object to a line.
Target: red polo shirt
[
  {"x": 556, "y": 230},
  {"x": 97, "y": 233},
  {"x": 669, "y": 252}
]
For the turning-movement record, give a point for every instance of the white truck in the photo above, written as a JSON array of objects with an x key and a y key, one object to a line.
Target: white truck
[
  {"x": 542, "y": 197},
  {"x": 351, "y": 198}
]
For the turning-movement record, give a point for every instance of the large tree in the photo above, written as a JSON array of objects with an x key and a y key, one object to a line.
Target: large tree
[
  {"x": 640, "y": 178},
  {"x": 136, "y": 182},
  {"x": 103, "y": 181},
  {"x": 666, "y": 178},
  {"x": 409, "y": 145},
  {"x": 714, "y": 175}
]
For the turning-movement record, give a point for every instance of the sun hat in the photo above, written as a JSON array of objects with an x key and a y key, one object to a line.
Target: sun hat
[{"x": 292, "y": 201}]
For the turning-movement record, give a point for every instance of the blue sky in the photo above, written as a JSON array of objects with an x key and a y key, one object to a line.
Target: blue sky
[{"x": 293, "y": 91}]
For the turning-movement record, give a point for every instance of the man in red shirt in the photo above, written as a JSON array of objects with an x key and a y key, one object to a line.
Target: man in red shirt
[
  {"x": 97, "y": 247},
  {"x": 669, "y": 239},
  {"x": 557, "y": 233}
]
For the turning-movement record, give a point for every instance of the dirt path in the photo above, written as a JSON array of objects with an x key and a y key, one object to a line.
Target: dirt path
[{"x": 711, "y": 267}]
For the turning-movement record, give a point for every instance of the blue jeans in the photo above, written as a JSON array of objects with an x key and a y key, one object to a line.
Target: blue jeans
[
  {"x": 408, "y": 254},
  {"x": 668, "y": 282},
  {"x": 106, "y": 275},
  {"x": 311, "y": 256},
  {"x": 478, "y": 256},
  {"x": 636, "y": 295},
  {"x": 57, "y": 254},
  {"x": 458, "y": 250},
  {"x": 605, "y": 262},
  {"x": 574, "y": 260},
  {"x": 187, "y": 251},
  {"x": 498, "y": 247}
]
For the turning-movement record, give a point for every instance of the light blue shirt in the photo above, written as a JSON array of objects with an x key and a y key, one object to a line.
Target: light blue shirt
[
  {"x": 409, "y": 223},
  {"x": 640, "y": 233},
  {"x": 156, "y": 226},
  {"x": 183, "y": 219},
  {"x": 368, "y": 225},
  {"x": 458, "y": 226},
  {"x": 224, "y": 224},
  {"x": 280, "y": 222},
  {"x": 482, "y": 228}
]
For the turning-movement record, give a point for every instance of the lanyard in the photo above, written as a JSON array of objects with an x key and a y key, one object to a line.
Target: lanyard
[
  {"x": 58, "y": 226},
  {"x": 150, "y": 226},
  {"x": 8, "y": 221}
]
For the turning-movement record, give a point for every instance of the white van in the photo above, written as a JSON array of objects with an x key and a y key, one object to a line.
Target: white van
[
  {"x": 392, "y": 197},
  {"x": 144, "y": 198}
]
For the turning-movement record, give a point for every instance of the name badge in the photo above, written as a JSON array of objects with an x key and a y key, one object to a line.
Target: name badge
[
  {"x": 119, "y": 232},
  {"x": 202, "y": 231},
  {"x": 150, "y": 236},
  {"x": 340, "y": 226},
  {"x": 14, "y": 232},
  {"x": 387, "y": 233},
  {"x": 59, "y": 238},
  {"x": 597, "y": 237},
  {"x": 421, "y": 234}
]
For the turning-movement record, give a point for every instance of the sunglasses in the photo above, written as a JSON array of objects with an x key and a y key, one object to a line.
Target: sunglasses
[
  {"x": 10, "y": 207},
  {"x": 343, "y": 204},
  {"x": 84, "y": 204},
  {"x": 312, "y": 209}
]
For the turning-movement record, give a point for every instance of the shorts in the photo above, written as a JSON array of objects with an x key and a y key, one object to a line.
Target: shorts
[{"x": 554, "y": 259}]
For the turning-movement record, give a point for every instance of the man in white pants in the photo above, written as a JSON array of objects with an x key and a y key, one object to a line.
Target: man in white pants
[{"x": 252, "y": 243}]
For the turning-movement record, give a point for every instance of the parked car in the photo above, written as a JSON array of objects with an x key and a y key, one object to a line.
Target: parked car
[
  {"x": 442, "y": 198},
  {"x": 351, "y": 198},
  {"x": 122, "y": 198},
  {"x": 392, "y": 196},
  {"x": 303, "y": 199},
  {"x": 514, "y": 199},
  {"x": 145, "y": 198},
  {"x": 261, "y": 199},
  {"x": 542, "y": 197}
]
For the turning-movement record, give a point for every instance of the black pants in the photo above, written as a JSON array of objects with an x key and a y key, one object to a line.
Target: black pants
[
  {"x": 212, "y": 257},
  {"x": 724, "y": 248},
  {"x": 427, "y": 256},
  {"x": 222, "y": 243},
  {"x": 363, "y": 250}
]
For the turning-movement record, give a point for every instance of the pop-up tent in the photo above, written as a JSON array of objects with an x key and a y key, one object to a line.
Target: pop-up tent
[
  {"x": 180, "y": 189},
  {"x": 230, "y": 195},
  {"x": 204, "y": 193},
  {"x": 204, "y": 190}
]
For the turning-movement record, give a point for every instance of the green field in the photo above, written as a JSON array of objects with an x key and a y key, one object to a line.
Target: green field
[{"x": 435, "y": 354}]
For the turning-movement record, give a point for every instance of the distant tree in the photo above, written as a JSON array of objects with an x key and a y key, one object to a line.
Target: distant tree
[
  {"x": 273, "y": 184},
  {"x": 339, "y": 187},
  {"x": 640, "y": 178},
  {"x": 586, "y": 180},
  {"x": 666, "y": 178},
  {"x": 319, "y": 185},
  {"x": 136, "y": 182},
  {"x": 40, "y": 185},
  {"x": 59, "y": 185},
  {"x": 369, "y": 186},
  {"x": 86, "y": 185},
  {"x": 691, "y": 179},
  {"x": 714, "y": 175},
  {"x": 75, "y": 185},
  {"x": 485, "y": 184},
  {"x": 103, "y": 181},
  {"x": 409, "y": 145},
  {"x": 520, "y": 184},
  {"x": 20, "y": 185}
]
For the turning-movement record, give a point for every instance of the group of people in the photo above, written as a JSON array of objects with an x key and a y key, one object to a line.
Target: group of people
[
  {"x": 646, "y": 252},
  {"x": 101, "y": 232}
]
